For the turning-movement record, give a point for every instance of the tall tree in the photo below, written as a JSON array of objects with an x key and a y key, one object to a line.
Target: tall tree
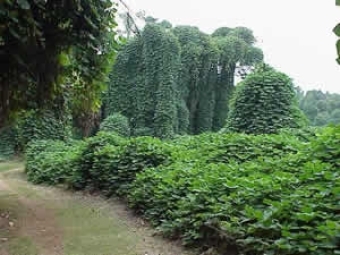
[
  {"x": 144, "y": 82},
  {"x": 197, "y": 78},
  {"x": 236, "y": 49},
  {"x": 198, "y": 69}
]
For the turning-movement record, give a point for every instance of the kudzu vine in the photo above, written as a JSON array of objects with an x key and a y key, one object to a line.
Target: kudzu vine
[{"x": 178, "y": 80}]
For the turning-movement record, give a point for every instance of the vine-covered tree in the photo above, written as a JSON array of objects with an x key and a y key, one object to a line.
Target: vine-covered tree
[
  {"x": 197, "y": 79},
  {"x": 264, "y": 103},
  {"x": 236, "y": 49},
  {"x": 43, "y": 42},
  {"x": 198, "y": 69},
  {"x": 144, "y": 82}
]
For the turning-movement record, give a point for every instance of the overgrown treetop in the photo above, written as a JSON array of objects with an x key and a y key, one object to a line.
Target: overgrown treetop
[
  {"x": 37, "y": 39},
  {"x": 264, "y": 103}
]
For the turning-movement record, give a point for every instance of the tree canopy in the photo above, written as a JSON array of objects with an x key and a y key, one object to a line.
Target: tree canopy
[
  {"x": 321, "y": 108},
  {"x": 45, "y": 42}
]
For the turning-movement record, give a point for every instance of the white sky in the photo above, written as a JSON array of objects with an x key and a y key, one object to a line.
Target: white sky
[{"x": 295, "y": 35}]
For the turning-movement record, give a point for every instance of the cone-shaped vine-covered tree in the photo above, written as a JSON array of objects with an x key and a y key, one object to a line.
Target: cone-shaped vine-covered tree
[{"x": 263, "y": 103}]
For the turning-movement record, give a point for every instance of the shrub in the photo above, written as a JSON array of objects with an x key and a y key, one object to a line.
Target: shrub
[
  {"x": 105, "y": 162},
  {"x": 305, "y": 134},
  {"x": 116, "y": 123},
  {"x": 265, "y": 194},
  {"x": 266, "y": 205},
  {"x": 9, "y": 142},
  {"x": 239, "y": 148},
  {"x": 115, "y": 169},
  {"x": 34, "y": 125},
  {"x": 81, "y": 175},
  {"x": 51, "y": 161}
]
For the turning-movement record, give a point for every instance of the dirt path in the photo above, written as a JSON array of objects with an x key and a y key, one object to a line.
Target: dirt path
[
  {"x": 37, "y": 220},
  {"x": 33, "y": 220}
]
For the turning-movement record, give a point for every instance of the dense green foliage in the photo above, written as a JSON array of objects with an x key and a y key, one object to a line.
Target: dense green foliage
[
  {"x": 115, "y": 168},
  {"x": 30, "y": 126},
  {"x": 105, "y": 162},
  {"x": 116, "y": 123},
  {"x": 265, "y": 205},
  {"x": 178, "y": 80},
  {"x": 39, "y": 125},
  {"x": 143, "y": 82},
  {"x": 51, "y": 161},
  {"x": 264, "y": 103},
  {"x": 46, "y": 44},
  {"x": 321, "y": 108},
  {"x": 8, "y": 142},
  {"x": 80, "y": 176},
  {"x": 254, "y": 194}
]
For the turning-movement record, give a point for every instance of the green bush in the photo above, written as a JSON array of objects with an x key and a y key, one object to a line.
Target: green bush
[
  {"x": 51, "y": 161},
  {"x": 115, "y": 169},
  {"x": 326, "y": 146},
  {"x": 305, "y": 134},
  {"x": 34, "y": 125},
  {"x": 213, "y": 148},
  {"x": 263, "y": 205},
  {"x": 265, "y": 194},
  {"x": 8, "y": 142},
  {"x": 116, "y": 123},
  {"x": 105, "y": 162},
  {"x": 81, "y": 174}
]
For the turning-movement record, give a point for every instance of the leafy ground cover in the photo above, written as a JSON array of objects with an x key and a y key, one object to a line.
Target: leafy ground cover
[{"x": 265, "y": 194}]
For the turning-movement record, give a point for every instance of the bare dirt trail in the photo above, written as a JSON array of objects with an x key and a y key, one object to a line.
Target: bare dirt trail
[{"x": 57, "y": 222}]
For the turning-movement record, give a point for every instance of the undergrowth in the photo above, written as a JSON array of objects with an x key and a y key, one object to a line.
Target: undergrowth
[{"x": 265, "y": 194}]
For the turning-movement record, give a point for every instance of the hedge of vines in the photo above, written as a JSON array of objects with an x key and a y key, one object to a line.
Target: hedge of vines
[
  {"x": 178, "y": 81},
  {"x": 226, "y": 193},
  {"x": 30, "y": 126}
]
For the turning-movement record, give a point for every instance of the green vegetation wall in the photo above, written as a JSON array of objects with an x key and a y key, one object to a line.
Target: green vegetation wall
[
  {"x": 177, "y": 81},
  {"x": 264, "y": 103},
  {"x": 144, "y": 82},
  {"x": 30, "y": 126},
  {"x": 49, "y": 48}
]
